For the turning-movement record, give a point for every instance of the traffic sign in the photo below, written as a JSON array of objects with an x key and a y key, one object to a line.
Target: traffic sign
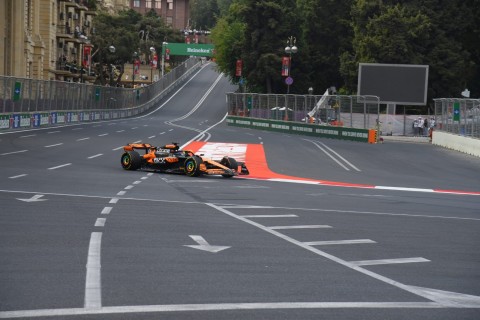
[{"x": 288, "y": 80}]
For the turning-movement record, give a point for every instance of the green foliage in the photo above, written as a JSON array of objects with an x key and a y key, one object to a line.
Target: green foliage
[
  {"x": 129, "y": 32},
  {"x": 204, "y": 14}
]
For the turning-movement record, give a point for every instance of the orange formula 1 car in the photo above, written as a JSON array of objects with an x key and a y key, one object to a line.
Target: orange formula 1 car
[{"x": 170, "y": 159}]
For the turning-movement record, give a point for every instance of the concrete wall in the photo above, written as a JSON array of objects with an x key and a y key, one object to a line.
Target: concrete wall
[{"x": 457, "y": 142}]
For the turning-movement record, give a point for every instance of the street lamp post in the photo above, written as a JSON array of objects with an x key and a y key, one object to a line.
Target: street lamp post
[
  {"x": 290, "y": 49},
  {"x": 135, "y": 55},
  {"x": 153, "y": 62},
  {"x": 164, "y": 49}
]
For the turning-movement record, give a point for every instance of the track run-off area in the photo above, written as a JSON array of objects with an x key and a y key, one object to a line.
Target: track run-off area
[{"x": 319, "y": 229}]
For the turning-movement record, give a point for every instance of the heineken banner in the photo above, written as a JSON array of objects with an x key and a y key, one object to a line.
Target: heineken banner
[{"x": 189, "y": 49}]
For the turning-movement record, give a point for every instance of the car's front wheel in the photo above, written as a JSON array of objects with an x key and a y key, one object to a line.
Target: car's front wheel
[{"x": 192, "y": 166}]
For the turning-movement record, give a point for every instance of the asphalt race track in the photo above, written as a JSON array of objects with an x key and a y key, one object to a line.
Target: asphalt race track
[{"x": 321, "y": 229}]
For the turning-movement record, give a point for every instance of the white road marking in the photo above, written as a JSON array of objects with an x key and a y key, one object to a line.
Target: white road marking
[
  {"x": 325, "y": 243},
  {"x": 116, "y": 149},
  {"x": 113, "y": 200},
  {"x": 143, "y": 178},
  {"x": 100, "y": 222},
  {"x": 18, "y": 176},
  {"x": 60, "y": 166},
  {"x": 170, "y": 130},
  {"x": 121, "y": 193},
  {"x": 162, "y": 133},
  {"x": 204, "y": 245},
  {"x": 134, "y": 128},
  {"x": 82, "y": 139},
  {"x": 442, "y": 298},
  {"x": 107, "y": 210},
  {"x": 95, "y": 156},
  {"x": 137, "y": 182},
  {"x": 403, "y": 189},
  {"x": 128, "y": 187},
  {"x": 151, "y": 137},
  {"x": 329, "y": 155},
  {"x": 388, "y": 261},
  {"x": 93, "y": 286},
  {"x": 54, "y": 145},
  {"x": 218, "y": 307},
  {"x": 103, "y": 135},
  {"x": 13, "y": 152},
  {"x": 311, "y": 226},
  {"x": 53, "y": 132},
  {"x": 138, "y": 141},
  {"x": 35, "y": 198},
  {"x": 120, "y": 131},
  {"x": 271, "y": 216},
  {"x": 150, "y": 174},
  {"x": 335, "y": 153},
  {"x": 27, "y": 136}
]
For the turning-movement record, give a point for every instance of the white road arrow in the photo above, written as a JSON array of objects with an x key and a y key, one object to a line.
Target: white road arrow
[
  {"x": 448, "y": 299},
  {"x": 35, "y": 198},
  {"x": 204, "y": 245}
]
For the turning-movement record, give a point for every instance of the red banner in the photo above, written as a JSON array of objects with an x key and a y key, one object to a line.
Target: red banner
[
  {"x": 87, "y": 50},
  {"x": 285, "y": 66},
  {"x": 238, "y": 68}
]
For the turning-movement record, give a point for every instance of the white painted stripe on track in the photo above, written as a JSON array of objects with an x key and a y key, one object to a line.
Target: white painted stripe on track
[
  {"x": 113, "y": 200},
  {"x": 121, "y": 193},
  {"x": 96, "y": 156},
  {"x": 54, "y": 145},
  {"x": 217, "y": 307},
  {"x": 107, "y": 210},
  {"x": 312, "y": 226},
  {"x": 18, "y": 176},
  {"x": 100, "y": 222},
  {"x": 83, "y": 139},
  {"x": 93, "y": 286},
  {"x": 60, "y": 166},
  {"x": 388, "y": 261},
  {"x": 270, "y": 216},
  {"x": 13, "y": 152},
  {"x": 335, "y": 242}
]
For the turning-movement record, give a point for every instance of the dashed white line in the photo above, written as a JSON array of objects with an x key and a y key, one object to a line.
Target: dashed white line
[
  {"x": 137, "y": 182},
  {"x": 13, "y": 152},
  {"x": 116, "y": 149},
  {"x": 103, "y": 135},
  {"x": 313, "y": 226},
  {"x": 54, "y": 145},
  {"x": 107, "y": 210},
  {"x": 388, "y": 261},
  {"x": 325, "y": 243},
  {"x": 81, "y": 139},
  {"x": 118, "y": 131},
  {"x": 128, "y": 187},
  {"x": 134, "y": 128},
  {"x": 18, "y": 176},
  {"x": 93, "y": 287},
  {"x": 113, "y": 200},
  {"x": 50, "y": 132},
  {"x": 271, "y": 216},
  {"x": 100, "y": 222},
  {"x": 162, "y": 132},
  {"x": 27, "y": 136},
  {"x": 121, "y": 193},
  {"x": 95, "y": 156},
  {"x": 60, "y": 166},
  {"x": 151, "y": 137}
]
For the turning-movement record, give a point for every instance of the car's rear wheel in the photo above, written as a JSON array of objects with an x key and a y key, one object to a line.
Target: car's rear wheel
[
  {"x": 192, "y": 166},
  {"x": 131, "y": 160}
]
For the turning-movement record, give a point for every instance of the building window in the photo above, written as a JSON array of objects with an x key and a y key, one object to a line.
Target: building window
[
  {"x": 170, "y": 4},
  {"x": 169, "y": 21},
  {"x": 136, "y": 3},
  {"x": 158, "y": 4},
  {"x": 148, "y": 3}
]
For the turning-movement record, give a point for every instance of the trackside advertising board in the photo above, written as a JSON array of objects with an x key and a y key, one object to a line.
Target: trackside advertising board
[
  {"x": 186, "y": 49},
  {"x": 333, "y": 132}
]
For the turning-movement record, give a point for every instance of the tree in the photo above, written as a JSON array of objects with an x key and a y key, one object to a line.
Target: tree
[
  {"x": 204, "y": 14},
  {"x": 128, "y": 32}
]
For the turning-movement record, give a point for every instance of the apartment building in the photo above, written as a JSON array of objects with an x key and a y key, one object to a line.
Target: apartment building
[{"x": 175, "y": 12}]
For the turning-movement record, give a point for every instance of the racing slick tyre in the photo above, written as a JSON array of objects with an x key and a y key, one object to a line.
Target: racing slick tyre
[
  {"x": 192, "y": 166},
  {"x": 230, "y": 163},
  {"x": 131, "y": 160}
]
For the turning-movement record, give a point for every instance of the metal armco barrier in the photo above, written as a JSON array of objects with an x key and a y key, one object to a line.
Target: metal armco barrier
[
  {"x": 29, "y": 103},
  {"x": 335, "y": 132}
]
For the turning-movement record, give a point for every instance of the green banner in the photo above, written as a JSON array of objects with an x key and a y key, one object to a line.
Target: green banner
[
  {"x": 17, "y": 91},
  {"x": 456, "y": 111},
  {"x": 185, "y": 49}
]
